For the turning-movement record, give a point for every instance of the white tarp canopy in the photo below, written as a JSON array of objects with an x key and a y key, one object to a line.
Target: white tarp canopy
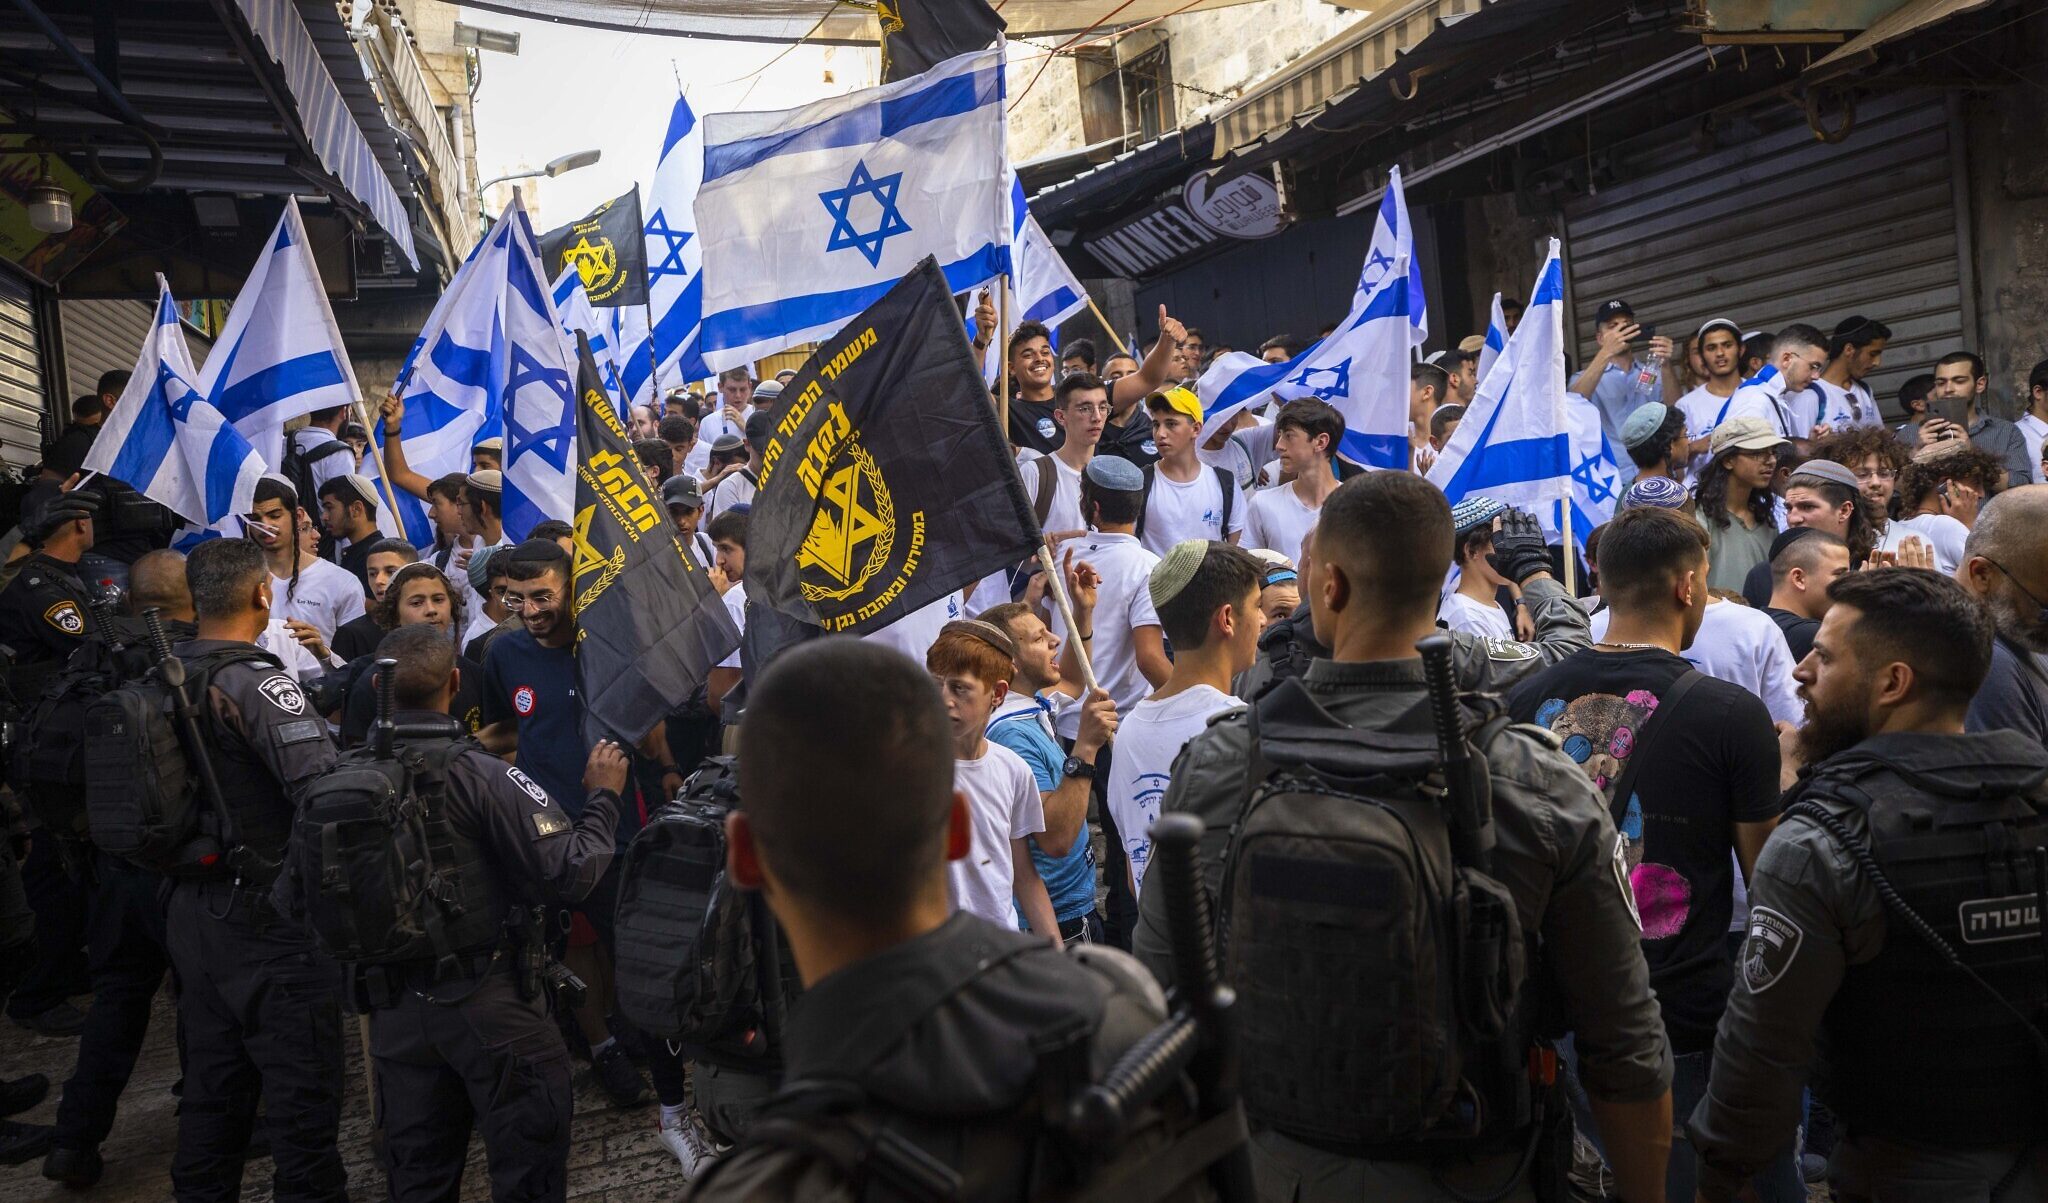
[{"x": 827, "y": 21}]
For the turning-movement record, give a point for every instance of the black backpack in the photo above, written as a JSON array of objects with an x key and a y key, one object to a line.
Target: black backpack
[
  {"x": 1224, "y": 480},
  {"x": 48, "y": 758},
  {"x": 1379, "y": 980},
  {"x": 698, "y": 962},
  {"x": 298, "y": 468},
  {"x": 374, "y": 866},
  {"x": 143, "y": 800}
]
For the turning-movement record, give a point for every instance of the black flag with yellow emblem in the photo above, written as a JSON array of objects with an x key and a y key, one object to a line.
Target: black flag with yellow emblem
[
  {"x": 918, "y": 35},
  {"x": 608, "y": 248},
  {"x": 886, "y": 483},
  {"x": 649, "y": 624}
]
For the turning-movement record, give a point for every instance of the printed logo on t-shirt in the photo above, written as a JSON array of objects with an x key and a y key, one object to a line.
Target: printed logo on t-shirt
[
  {"x": 284, "y": 693},
  {"x": 1046, "y": 428},
  {"x": 524, "y": 700},
  {"x": 1149, "y": 447}
]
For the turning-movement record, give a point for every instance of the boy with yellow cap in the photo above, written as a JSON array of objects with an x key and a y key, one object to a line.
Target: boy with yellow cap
[{"x": 1185, "y": 498}]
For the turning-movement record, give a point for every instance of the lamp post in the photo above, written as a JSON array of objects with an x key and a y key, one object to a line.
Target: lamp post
[{"x": 555, "y": 167}]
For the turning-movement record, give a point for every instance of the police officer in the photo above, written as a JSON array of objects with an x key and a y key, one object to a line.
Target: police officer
[
  {"x": 1378, "y": 557},
  {"x": 125, "y": 926},
  {"x": 926, "y": 1021},
  {"x": 44, "y": 614},
  {"x": 472, "y": 1042},
  {"x": 44, "y": 618},
  {"x": 1900, "y": 832},
  {"x": 259, "y": 1007},
  {"x": 1519, "y": 554}
]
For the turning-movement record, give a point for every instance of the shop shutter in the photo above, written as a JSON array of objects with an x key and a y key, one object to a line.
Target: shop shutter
[
  {"x": 1784, "y": 228},
  {"x": 100, "y": 336},
  {"x": 21, "y": 374}
]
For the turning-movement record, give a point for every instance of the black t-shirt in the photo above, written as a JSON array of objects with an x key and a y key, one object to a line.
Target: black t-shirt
[
  {"x": 356, "y": 558},
  {"x": 1799, "y": 631},
  {"x": 1132, "y": 440},
  {"x": 356, "y": 638},
  {"x": 1033, "y": 426},
  {"x": 1716, "y": 767},
  {"x": 1756, "y": 587}
]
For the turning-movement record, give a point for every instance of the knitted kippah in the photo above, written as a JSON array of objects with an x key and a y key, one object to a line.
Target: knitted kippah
[
  {"x": 987, "y": 632},
  {"x": 1175, "y": 570},
  {"x": 1115, "y": 472},
  {"x": 1475, "y": 511},
  {"x": 1660, "y": 491}
]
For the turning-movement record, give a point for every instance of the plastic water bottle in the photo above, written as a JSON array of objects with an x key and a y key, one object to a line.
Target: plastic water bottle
[{"x": 1648, "y": 384}]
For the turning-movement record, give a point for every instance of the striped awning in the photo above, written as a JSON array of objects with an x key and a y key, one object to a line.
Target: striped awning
[{"x": 1363, "y": 52}]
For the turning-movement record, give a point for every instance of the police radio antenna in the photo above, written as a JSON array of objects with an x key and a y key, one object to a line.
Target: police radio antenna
[{"x": 387, "y": 685}]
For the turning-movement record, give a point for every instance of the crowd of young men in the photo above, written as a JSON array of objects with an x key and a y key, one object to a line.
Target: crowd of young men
[{"x": 1790, "y": 592}]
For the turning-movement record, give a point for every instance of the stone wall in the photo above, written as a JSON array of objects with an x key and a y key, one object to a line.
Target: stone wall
[{"x": 2008, "y": 189}]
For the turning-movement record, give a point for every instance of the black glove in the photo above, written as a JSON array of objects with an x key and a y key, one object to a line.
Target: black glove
[{"x": 1518, "y": 548}]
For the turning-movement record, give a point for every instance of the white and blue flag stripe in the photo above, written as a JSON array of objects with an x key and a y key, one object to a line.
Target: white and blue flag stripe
[
  {"x": 1496, "y": 339},
  {"x": 280, "y": 354},
  {"x": 537, "y": 394},
  {"x": 810, "y": 215},
  {"x": 1393, "y": 241},
  {"x": 579, "y": 316},
  {"x": 675, "y": 269},
  {"x": 164, "y": 439}
]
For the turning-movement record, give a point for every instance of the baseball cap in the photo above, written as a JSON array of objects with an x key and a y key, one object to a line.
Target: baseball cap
[
  {"x": 1719, "y": 323},
  {"x": 1643, "y": 423},
  {"x": 1615, "y": 308},
  {"x": 681, "y": 492},
  {"x": 1744, "y": 434},
  {"x": 1181, "y": 401},
  {"x": 1827, "y": 469}
]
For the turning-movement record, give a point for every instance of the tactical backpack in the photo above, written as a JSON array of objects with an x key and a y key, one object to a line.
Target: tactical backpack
[
  {"x": 144, "y": 800},
  {"x": 376, "y": 865},
  {"x": 1379, "y": 975},
  {"x": 298, "y": 467},
  {"x": 48, "y": 759},
  {"x": 697, "y": 961}
]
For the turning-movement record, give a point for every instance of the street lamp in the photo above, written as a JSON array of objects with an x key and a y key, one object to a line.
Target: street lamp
[{"x": 555, "y": 167}]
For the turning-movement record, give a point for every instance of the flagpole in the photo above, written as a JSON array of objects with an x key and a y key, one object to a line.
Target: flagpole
[
  {"x": 1003, "y": 357},
  {"x": 383, "y": 473},
  {"x": 1571, "y": 575},
  {"x": 1107, "y": 328},
  {"x": 1056, "y": 584}
]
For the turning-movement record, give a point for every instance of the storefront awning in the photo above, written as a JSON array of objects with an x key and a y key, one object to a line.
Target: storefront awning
[
  {"x": 1908, "y": 18},
  {"x": 1363, "y": 52},
  {"x": 826, "y": 22}
]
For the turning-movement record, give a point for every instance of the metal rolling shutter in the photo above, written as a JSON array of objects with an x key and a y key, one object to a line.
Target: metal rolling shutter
[
  {"x": 21, "y": 374},
  {"x": 1784, "y": 229},
  {"x": 100, "y": 336}
]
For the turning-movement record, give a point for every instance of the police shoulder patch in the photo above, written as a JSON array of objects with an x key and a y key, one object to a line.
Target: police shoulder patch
[
  {"x": 1509, "y": 651},
  {"x": 529, "y": 786},
  {"x": 284, "y": 693},
  {"x": 1772, "y": 945},
  {"x": 65, "y": 617}
]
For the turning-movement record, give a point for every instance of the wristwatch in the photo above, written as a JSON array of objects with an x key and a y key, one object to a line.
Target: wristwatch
[{"x": 1077, "y": 767}]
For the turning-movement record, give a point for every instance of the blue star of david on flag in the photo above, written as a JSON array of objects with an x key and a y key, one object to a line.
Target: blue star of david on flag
[
  {"x": 673, "y": 242},
  {"x": 839, "y": 203},
  {"x": 1339, "y": 385},
  {"x": 1596, "y": 476}
]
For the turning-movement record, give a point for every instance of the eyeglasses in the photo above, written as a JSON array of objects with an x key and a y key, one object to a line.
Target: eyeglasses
[
  {"x": 2042, "y": 617},
  {"x": 514, "y": 601},
  {"x": 1091, "y": 410}
]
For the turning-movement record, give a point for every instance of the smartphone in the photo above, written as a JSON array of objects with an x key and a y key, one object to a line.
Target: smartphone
[
  {"x": 1646, "y": 331},
  {"x": 1954, "y": 409}
]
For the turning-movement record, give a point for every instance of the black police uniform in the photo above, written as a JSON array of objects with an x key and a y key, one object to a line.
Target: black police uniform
[
  {"x": 477, "y": 1045},
  {"x": 259, "y": 1006},
  {"x": 44, "y": 617},
  {"x": 1938, "y": 1086},
  {"x": 124, "y": 942}
]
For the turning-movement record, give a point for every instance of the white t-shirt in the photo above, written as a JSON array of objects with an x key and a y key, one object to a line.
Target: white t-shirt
[
  {"x": 1123, "y": 603},
  {"x": 1065, "y": 513},
  {"x": 1002, "y": 805},
  {"x": 1939, "y": 531},
  {"x": 735, "y": 599},
  {"x": 1175, "y": 512},
  {"x": 737, "y": 489},
  {"x": 1485, "y": 619},
  {"x": 1700, "y": 408},
  {"x": 290, "y": 652},
  {"x": 1843, "y": 408},
  {"x": 1147, "y": 740},
  {"x": 327, "y": 596},
  {"x": 2034, "y": 431},
  {"x": 989, "y": 592},
  {"x": 480, "y": 624},
  {"x": 1742, "y": 647},
  {"x": 915, "y": 632},
  {"x": 1278, "y": 520}
]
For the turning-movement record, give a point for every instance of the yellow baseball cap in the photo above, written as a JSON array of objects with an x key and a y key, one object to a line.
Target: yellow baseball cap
[{"x": 1181, "y": 400}]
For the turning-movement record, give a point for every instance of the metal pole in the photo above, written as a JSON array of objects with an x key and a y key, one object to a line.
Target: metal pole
[{"x": 1056, "y": 584}]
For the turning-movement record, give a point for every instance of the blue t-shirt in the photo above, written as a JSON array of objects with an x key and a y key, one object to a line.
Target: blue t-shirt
[
  {"x": 1070, "y": 879},
  {"x": 535, "y": 686}
]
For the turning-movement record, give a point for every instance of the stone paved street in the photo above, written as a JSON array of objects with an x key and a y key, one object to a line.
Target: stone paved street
[{"x": 615, "y": 1158}]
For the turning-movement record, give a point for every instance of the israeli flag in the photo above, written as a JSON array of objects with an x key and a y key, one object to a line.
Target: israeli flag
[
  {"x": 1393, "y": 243},
  {"x": 1361, "y": 369},
  {"x": 1525, "y": 440},
  {"x": 809, "y": 215},
  {"x": 579, "y": 316},
  {"x": 167, "y": 441},
  {"x": 280, "y": 354},
  {"x": 675, "y": 268},
  {"x": 1046, "y": 290},
  {"x": 626, "y": 327},
  {"x": 1496, "y": 339}
]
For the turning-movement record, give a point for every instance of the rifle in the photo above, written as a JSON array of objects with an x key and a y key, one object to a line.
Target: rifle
[
  {"x": 1199, "y": 1039},
  {"x": 171, "y": 670},
  {"x": 1468, "y": 792}
]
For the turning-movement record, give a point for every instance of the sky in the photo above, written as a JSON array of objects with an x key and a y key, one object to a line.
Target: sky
[{"x": 571, "y": 89}]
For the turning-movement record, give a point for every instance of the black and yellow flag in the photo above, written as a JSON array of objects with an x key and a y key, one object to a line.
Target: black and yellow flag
[
  {"x": 649, "y": 625},
  {"x": 886, "y": 482},
  {"x": 608, "y": 248},
  {"x": 918, "y": 35}
]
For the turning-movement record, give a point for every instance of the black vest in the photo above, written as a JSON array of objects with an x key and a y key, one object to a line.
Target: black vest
[
  {"x": 1952, "y": 827},
  {"x": 474, "y": 906},
  {"x": 256, "y": 801}
]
